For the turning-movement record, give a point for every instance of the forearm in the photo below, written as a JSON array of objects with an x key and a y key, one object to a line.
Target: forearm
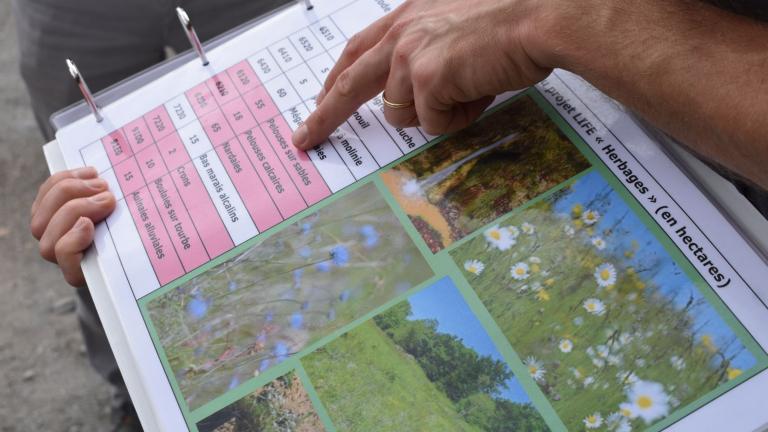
[{"x": 698, "y": 73}]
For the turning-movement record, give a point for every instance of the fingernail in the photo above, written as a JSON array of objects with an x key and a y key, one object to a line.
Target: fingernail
[
  {"x": 96, "y": 184},
  {"x": 85, "y": 173},
  {"x": 320, "y": 96},
  {"x": 81, "y": 223},
  {"x": 101, "y": 198},
  {"x": 301, "y": 136}
]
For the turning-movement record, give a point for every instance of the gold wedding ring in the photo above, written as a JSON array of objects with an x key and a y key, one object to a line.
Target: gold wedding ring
[{"x": 395, "y": 105}]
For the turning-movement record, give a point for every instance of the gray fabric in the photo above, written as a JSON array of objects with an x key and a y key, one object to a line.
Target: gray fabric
[{"x": 110, "y": 40}]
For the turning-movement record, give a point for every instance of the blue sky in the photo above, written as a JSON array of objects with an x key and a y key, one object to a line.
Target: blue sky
[
  {"x": 443, "y": 302},
  {"x": 670, "y": 278}
]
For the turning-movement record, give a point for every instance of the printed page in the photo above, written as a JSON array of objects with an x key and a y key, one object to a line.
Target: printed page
[{"x": 548, "y": 268}]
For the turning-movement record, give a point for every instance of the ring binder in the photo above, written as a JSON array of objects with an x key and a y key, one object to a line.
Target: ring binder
[
  {"x": 192, "y": 35},
  {"x": 308, "y": 4},
  {"x": 87, "y": 95}
]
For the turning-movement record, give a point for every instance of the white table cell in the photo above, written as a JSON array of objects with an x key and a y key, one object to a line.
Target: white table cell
[
  {"x": 304, "y": 82},
  {"x": 95, "y": 156},
  {"x": 321, "y": 66},
  {"x": 180, "y": 111},
  {"x": 328, "y": 162},
  {"x": 225, "y": 197},
  {"x": 353, "y": 152},
  {"x": 358, "y": 15},
  {"x": 407, "y": 139},
  {"x": 381, "y": 145},
  {"x": 114, "y": 185},
  {"x": 306, "y": 43},
  {"x": 327, "y": 32},
  {"x": 264, "y": 65},
  {"x": 295, "y": 116},
  {"x": 133, "y": 256},
  {"x": 195, "y": 140},
  {"x": 285, "y": 55},
  {"x": 282, "y": 93},
  {"x": 336, "y": 51}
]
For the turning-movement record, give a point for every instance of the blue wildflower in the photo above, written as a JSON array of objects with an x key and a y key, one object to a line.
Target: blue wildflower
[
  {"x": 234, "y": 382},
  {"x": 270, "y": 316},
  {"x": 305, "y": 251},
  {"x": 297, "y": 277},
  {"x": 340, "y": 255},
  {"x": 280, "y": 351},
  {"x": 344, "y": 296},
  {"x": 232, "y": 286},
  {"x": 264, "y": 365},
  {"x": 370, "y": 236},
  {"x": 261, "y": 338},
  {"x": 306, "y": 228},
  {"x": 197, "y": 308},
  {"x": 305, "y": 305},
  {"x": 297, "y": 320},
  {"x": 331, "y": 314},
  {"x": 323, "y": 266}
]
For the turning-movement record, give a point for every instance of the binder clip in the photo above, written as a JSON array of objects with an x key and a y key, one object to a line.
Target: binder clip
[
  {"x": 87, "y": 95},
  {"x": 192, "y": 35},
  {"x": 309, "y": 5}
]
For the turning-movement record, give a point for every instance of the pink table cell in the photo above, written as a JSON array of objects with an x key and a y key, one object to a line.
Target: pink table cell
[
  {"x": 209, "y": 225},
  {"x": 299, "y": 165},
  {"x": 223, "y": 88},
  {"x": 154, "y": 236},
  {"x": 117, "y": 147},
  {"x": 173, "y": 151},
  {"x": 177, "y": 221},
  {"x": 261, "y": 105},
  {"x": 244, "y": 77},
  {"x": 216, "y": 127},
  {"x": 137, "y": 134},
  {"x": 268, "y": 166},
  {"x": 159, "y": 123},
  {"x": 240, "y": 118},
  {"x": 151, "y": 163},
  {"x": 256, "y": 199},
  {"x": 129, "y": 176},
  {"x": 201, "y": 99}
]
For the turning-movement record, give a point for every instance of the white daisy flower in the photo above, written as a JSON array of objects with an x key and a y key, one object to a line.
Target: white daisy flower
[
  {"x": 617, "y": 422},
  {"x": 605, "y": 274},
  {"x": 519, "y": 271},
  {"x": 593, "y": 421},
  {"x": 528, "y": 228},
  {"x": 598, "y": 243},
  {"x": 534, "y": 260},
  {"x": 535, "y": 368},
  {"x": 602, "y": 351},
  {"x": 625, "y": 377},
  {"x": 513, "y": 230},
  {"x": 523, "y": 288},
  {"x": 590, "y": 217},
  {"x": 677, "y": 362},
  {"x": 594, "y": 306},
  {"x": 625, "y": 338},
  {"x": 569, "y": 230},
  {"x": 647, "y": 400},
  {"x": 576, "y": 373},
  {"x": 565, "y": 345},
  {"x": 588, "y": 381},
  {"x": 474, "y": 266},
  {"x": 499, "y": 238},
  {"x": 640, "y": 362},
  {"x": 613, "y": 359}
]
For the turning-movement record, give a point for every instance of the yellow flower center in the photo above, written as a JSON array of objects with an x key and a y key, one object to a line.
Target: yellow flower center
[
  {"x": 472, "y": 269},
  {"x": 644, "y": 402},
  {"x": 533, "y": 370},
  {"x": 605, "y": 274},
  {"x": 591, "y": 307},
  {"x": 625, "y": 412},
  {"x": 591, "y": 419},
  {"x": 496, "y": 235},
  {"x": 734, "y": 373},
  {"x": 519, "y": 271}
]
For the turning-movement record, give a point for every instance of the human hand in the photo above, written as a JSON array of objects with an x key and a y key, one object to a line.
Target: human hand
[
  {"x": 446, "y": 60},
  {"x": 63, "y": 216}
]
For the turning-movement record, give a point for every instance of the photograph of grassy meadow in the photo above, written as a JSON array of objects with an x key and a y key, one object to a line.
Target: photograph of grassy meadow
[
  {"x": 483, "y": 172},
  {"x": 426, "y": 364},
  {"x": 612, "y": 330},
  {"x": 280, "y": 406},
  {"x": 255, "y": 310}
]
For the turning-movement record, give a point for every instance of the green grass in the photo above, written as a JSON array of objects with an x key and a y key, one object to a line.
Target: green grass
[{"x": 368, "y": 384}]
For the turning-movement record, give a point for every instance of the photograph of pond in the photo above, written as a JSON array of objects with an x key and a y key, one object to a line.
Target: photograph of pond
[
  {"x": 614, "y": 332},
  {"x": 260, "y": 307},
  {"x": 481, "y": 173},
  {"x": 426, "y": 364}
]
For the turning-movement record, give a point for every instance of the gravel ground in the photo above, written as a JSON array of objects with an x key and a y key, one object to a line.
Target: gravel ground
[{"x": 46, "y": 383}]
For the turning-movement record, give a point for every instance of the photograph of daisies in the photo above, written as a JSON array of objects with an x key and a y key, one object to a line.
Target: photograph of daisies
[
  {"x": 616, "y": 335},
  {"x": 483, "y": 172},
  {"x": 275, "y": 298},
  {"x": 280, "y": 406},
  {"x": 426, "y": 364}
]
